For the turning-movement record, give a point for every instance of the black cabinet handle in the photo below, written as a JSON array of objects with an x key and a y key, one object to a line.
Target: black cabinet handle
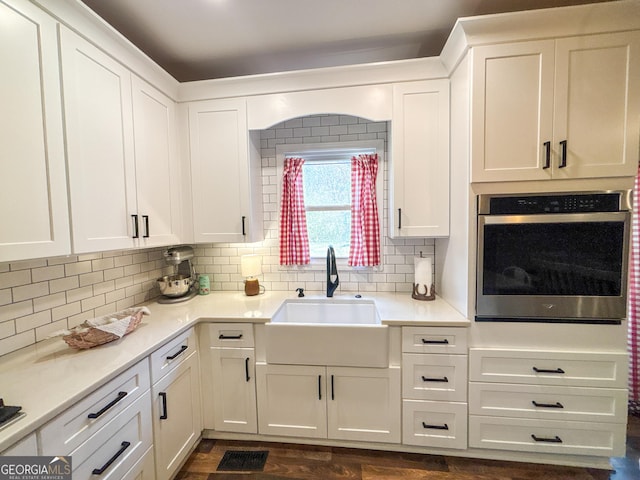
[
  {"x": 222, "y": 336},
  {"x": 163, "y": 396},
  {"x": 180, "y": 352},
  {"x": 243, "y": 230},
  {"x": 399, "y": 218},
  {"x": 435, "y": 342},
  {"x": 101, "y": 470},
  {"x": 556, "y": 439},
  {"x": 246, "y": 369},
  {"x": 436, "y": 427},
  {"x": 547, "y": 154},
  {"x": 542, "y": 370},
  {"x": 428, "y": 379},
  {"x": 319, "y": 387},
  {"x": 333, "y": 397},
  {"x": 136, "y": 232},
  {"x": 563, "y": 154},
  {"x": 120, "y": 396},
  {"x": 547, "y": 405},
  {"x": 145, "y": 218}
]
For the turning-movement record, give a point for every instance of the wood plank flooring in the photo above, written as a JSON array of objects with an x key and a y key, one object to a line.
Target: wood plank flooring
[{"x": 305, "y": 462}]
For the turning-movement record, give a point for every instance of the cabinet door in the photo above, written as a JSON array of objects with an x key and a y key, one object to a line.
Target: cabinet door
[
  {"x": 34, "y": 212},
  {"x": 292, "y": 400},
  {"x": 176, "y": 416},
  {"x": 597, "y": 105},
  {"x": 363, "y": 404},
  {"x": 157, "y": 168},
  {"x": 234, "y": 390},
  {"x": 97, "y": 103},
  {"x": 420, "y": 160},
  {"x": 511, "y": 108},
  {"x": 219, "y": 170}
]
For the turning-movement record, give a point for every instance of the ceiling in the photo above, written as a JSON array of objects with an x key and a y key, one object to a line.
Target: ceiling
[{"x": 204, "y": 39}]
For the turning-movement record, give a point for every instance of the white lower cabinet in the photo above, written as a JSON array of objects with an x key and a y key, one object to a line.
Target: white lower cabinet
[
  {"x": 434, "y": 387},
  {"x": 548, "y": 401},
  {"x": 341, "y": 403},
  {"x": 28, "y": 446},
  {"x": 177, "y": 423},
  {"x": 107, "y": 432}
]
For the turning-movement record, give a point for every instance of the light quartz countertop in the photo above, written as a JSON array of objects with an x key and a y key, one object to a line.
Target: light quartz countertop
[{"x": 49, "y": 377}]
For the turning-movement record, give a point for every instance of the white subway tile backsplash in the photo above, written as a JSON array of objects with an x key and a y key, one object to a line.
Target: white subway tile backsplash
[
  {"x": 14, "y": 279},
  {"x": 49, "y": 301},
  {"x": 33, "y": 321},
  {"x": 77, "y": 268},
  {"x": 32, "y": 290},
  {"x": 5, "y": 296},
  {"x": 7, "y": 329},
  {"x": 47, "y": 273}
]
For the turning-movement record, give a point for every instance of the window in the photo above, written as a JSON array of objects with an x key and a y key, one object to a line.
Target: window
[{"x": 327, "y": 191}]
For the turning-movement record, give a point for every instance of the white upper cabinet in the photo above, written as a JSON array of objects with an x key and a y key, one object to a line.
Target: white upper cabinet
[
  {"x": 123, "y": 171},
  {"x": 157, "y": 168},
  {"x": 98, "y": 113},
  {"x": 556, "y": 109},
  {"x": 225, "y": 173},
  {"x": 419, "y": 163},
  {"x": 34, "y": 211}
]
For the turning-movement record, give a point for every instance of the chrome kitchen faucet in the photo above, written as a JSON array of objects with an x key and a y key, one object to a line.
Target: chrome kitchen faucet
[{"x": 332, "y": 270}]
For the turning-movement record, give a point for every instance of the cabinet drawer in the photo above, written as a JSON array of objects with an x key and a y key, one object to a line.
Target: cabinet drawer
[
  {"x": 547, "y": 436},
  {"x": 434, "y": 340},
  {"x": 26, "y": 447},
  {"x": 117, "y": 447},
  {"x": 434, "y": 424},
  {"x": 167, "y": 357},
  {"x": 434, "y": 377},
  {"x": 548, "y": 368},
  {"x": 75, "y": 425},
  {"x": 144, "y": 469},
  {"x": 235, "y": 335},
  {"x": 548, "y": 402}
]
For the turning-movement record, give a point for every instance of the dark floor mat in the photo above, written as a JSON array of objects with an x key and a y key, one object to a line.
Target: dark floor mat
[{"x": 243, "y": 461}]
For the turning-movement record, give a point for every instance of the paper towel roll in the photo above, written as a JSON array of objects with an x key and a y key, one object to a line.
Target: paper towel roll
[{"x": 423, "y": 272}]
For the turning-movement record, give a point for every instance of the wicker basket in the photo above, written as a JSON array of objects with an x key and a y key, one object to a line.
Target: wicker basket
[{"x": 88, "y": 336}]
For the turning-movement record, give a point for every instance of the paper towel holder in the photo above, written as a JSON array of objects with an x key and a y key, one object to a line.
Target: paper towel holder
[{"x": 423, "y": 285}]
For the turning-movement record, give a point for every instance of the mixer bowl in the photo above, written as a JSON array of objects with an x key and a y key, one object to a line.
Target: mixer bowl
[{"x": 174, "y": 285}]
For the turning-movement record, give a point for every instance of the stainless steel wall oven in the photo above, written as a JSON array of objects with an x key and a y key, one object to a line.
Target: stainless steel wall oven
[{"x": 553, "y": 257}]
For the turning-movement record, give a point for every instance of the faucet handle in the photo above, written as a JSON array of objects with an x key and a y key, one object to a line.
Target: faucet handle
[{"x": 300, "y": 292}]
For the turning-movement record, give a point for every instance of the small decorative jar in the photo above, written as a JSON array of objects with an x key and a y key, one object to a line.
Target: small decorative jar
[{"x": 205, "y": 286}]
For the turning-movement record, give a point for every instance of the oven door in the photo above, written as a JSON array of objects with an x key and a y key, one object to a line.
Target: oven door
[{"x": 553, "y": 267}]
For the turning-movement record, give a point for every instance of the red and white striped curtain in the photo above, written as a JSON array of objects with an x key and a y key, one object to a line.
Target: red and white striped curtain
[
  {"x": 364, "y": 250},
  {"x": 633, "y": 334},
  {"x": 294, "y": 240}
]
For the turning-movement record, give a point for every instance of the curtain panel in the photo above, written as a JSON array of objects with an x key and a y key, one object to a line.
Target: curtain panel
[
  {"x": 294, "y": 240},
  {"x": 364, "y": 249}
]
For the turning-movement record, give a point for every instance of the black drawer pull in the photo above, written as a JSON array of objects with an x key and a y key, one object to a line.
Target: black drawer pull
[
  {"x": 101, "y": 470},
  {"x": 430, "y": 379},
  {"x": 120, "y": 396},
  {"x": 163, "y": 396},
  {"x": 136, "y": 232},
  {"x": 145, "y": 218},
  {"x": 333, "y": 391},
  {"x": 180, "y": 352},
  {"x": 547, "y": 155},
  {"x": 556, "y": 439},
  {"x": 563, "y": 154},
  {"x": 246, "y": 369},
  {"x": 542, "y": 370},
  {"x": 547, "y": 405},
  {"x": 319, "y": 387},
  {"x": 435, "y": 342},
  {"x": 399, "y": 219},
  {"x": 222, "y": 336},
  {"x": 436, "y": 427}
]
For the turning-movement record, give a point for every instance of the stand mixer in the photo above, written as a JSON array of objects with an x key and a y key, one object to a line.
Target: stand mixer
[{"x": 183, "y": 284}]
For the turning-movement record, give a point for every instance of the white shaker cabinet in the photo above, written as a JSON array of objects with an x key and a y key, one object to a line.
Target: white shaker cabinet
[
  {"x": 175, "y": 397},
  {"x": 122, "y": 158},
  {"x": 549, "y": 109},
  {"x": 228, "y": 377},
  {"x": 157, "y": 168},
  {"x": 341, "y": 403},
  {"x": 225, "y": 173},
  {"x": 34, "y": 211},
  {"x": 419, "y": 163}
]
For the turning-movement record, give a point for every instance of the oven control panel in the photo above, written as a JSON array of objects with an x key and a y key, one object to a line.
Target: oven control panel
[{"x": 569, "y": 203}]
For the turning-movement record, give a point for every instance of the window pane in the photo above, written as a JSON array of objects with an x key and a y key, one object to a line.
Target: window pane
[
  {"x": 327, "y": 183},
  {"x": 329, "y": 228}
]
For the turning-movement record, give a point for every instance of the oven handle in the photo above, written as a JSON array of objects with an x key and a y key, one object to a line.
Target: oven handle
[{"x": 556, "y": 218}]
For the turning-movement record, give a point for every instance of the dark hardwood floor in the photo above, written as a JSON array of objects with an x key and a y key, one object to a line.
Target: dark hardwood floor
[{"x": 304, "y": 462}]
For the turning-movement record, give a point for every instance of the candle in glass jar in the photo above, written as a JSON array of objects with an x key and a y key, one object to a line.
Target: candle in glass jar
[{"x": 423, "y": 272}]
